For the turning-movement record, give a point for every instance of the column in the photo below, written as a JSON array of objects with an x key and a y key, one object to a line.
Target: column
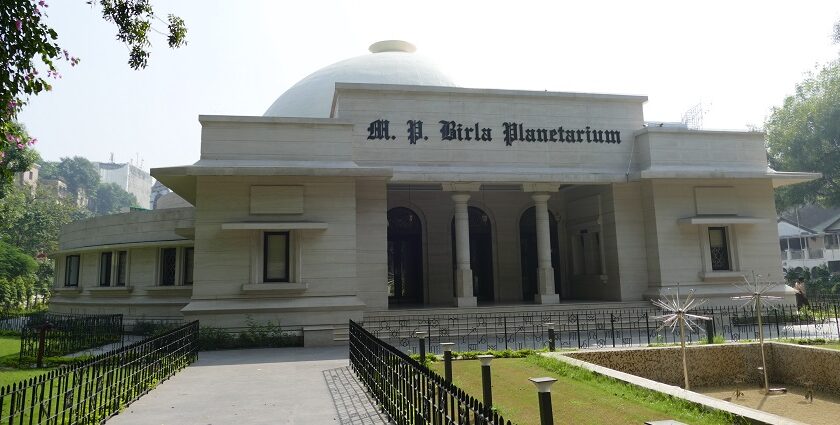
[
  {"x": 463, "y": 273},
  {"x": 545, "y": 273}
]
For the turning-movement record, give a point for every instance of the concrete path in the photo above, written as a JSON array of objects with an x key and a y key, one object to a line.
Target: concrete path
[{"x": 262, "y": 386}]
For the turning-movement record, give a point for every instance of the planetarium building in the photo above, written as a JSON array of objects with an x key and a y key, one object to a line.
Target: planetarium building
[{"x": 377, "y": 184}]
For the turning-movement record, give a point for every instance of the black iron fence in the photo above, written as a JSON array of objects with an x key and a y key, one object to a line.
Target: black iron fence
[
  {"x": 69, "y": 333},
  {"x": 408, "y": 392},
  {"x": 598, "y": 328},
  {"x": 94, "y": 390}
]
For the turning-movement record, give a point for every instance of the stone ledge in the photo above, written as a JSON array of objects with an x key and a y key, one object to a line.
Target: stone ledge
[
  {"x": 169, "y": 291},
  {"x": 274, "y": 288},
  {"x": 68, "y": 290},
  {"x": 110, "y": 290}
]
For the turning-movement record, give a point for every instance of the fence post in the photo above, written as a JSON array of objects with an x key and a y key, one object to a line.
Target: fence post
[
  {"x": 486, "y": 383},
  {"x": 544, "y": 394},
  {"x": 710, "y": 331},
  {"x": 577, "y": 322},
  {"x": 612, "y": 328},
  {"x": 421, "y": 344},
  {"x": 447, "y": 361},
  {"x": 504, "y": 319},
  {"x": 551, "y": 336},
  {"x": 42, "y": 341},
  {"x": 647, "y": 327},
  {"x": 837, "y": 321}
]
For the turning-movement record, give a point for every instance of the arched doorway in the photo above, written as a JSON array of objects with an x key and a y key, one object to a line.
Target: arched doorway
[
  {"x": 405, "y": 257},
  {"x": 481, "y": 253},
  {"x": 528, "y": 252}
]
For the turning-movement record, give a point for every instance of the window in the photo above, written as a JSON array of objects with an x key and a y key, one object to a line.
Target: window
[
  {"x": 122, "y": 267},
  {"x": 188, "y": 266},
  {"x": 168, "y": 263},
  {"x": 831, "y": 242},
  {"x": 105, "y": 260},
  {"x": 276, "y": 257},
  {"x": 71, "y": 270},
  {"x": 719, "y": 249}
]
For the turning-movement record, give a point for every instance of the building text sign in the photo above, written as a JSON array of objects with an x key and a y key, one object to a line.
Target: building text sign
[{"x": 513, "y": 132}]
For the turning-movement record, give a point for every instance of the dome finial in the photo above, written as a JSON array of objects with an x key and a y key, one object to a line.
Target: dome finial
[{"x": 392, "y": 46}]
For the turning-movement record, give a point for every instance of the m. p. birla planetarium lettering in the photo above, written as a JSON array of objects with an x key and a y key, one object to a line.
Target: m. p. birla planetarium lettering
[{"x": 512, "y": 131}]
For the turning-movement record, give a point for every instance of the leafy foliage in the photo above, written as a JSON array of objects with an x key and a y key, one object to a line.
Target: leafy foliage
[
  {"x": 804, "y": 134},
  {"x": 79, "y": 173},
  {"x": 14, "y": 262},
  {"x": 30, "y": 53},
  {"x": 817, "y": 279},
  {"x": 32, "y": 222},
  {"x": 110, "y": 199}
]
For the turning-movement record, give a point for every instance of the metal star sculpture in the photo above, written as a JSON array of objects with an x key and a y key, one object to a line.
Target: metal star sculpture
[
  {"x": 757, "y": 298},
  {"x": 678, "y": 315}
]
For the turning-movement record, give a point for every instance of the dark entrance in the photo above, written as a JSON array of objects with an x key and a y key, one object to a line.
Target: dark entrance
[
  {"x": 481, "y": 254},
  {"x": 528, "y": 252},
  {"x": 405, "y": 257}
]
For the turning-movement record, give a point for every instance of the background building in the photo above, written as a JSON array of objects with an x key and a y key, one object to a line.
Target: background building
[
  {"x": 130, "y": 178},
  {"x": 810, "y": 237}
]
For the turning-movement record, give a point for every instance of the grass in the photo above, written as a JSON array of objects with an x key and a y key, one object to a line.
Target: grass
[
  {"x": 579, "y": 396},
  {"x": 9, "y": 345},
  {"x": 9, "y": 349}
]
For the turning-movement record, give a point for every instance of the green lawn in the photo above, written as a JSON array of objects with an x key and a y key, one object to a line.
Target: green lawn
[
  {"x": 578, "y": 397},
  {"x": 9, "y": 348},
  {"x": 9, "y": 345}
]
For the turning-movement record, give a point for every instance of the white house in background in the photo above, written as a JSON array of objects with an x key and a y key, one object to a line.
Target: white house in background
[
  {"x": 810, "y": 237},
  {"x": 130, "y": 178},
  {"x": 376, "y": 183}
]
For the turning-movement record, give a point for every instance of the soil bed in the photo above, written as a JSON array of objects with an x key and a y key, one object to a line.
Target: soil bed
[{"x": 824, "y": 410}]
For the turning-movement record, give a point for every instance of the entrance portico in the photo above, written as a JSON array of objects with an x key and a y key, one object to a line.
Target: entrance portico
[{"x": 492, "y": 243}]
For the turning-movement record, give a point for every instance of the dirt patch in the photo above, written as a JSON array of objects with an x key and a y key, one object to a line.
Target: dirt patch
[{"x": 824, "y": 410}]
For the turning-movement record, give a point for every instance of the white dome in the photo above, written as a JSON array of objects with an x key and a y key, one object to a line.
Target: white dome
[{"x": 391, "y": 62}]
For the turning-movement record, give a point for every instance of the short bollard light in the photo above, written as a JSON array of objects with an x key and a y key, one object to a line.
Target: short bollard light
[
  {"x": 447, "y": 360},
  {"x": 421, "y": 345},
  {"x": 551, "y": 336},
  {"x": 544, "y": 393},
  {"x": 486, "y": 383}
]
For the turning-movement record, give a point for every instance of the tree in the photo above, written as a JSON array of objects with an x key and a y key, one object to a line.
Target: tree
[
  {"x": 32, "y": 222},
  {"x": 30, "y": 53},
  {"x": 79, "y": 173},
  {"x": 804, "y": 134},
  {"x": 16, "y": 157},
  {"x": 111, "y": 199},
  {"x": 15, "y": 263}
]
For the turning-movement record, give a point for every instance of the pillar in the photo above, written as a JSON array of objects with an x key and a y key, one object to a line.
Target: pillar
[
  {"x": 463, "y": 273},
  {"x": 545, "y": 273}
]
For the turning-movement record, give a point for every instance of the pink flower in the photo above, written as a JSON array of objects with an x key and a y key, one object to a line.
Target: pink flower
[{"x": 19, "y": 25}]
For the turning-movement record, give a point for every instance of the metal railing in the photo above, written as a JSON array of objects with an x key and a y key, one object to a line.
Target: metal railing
[
  {"x": 69, "y": 333},
  {"x": 408, "y": 392},
  {"x": 94, "y": 390},
  {"x": 597, "y": 328}
]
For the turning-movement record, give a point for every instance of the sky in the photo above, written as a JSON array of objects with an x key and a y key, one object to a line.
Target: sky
[{"x": 738, "y": 59}]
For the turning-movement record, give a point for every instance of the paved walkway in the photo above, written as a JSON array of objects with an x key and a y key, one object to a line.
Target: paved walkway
[{"x": 263, "y": 386}]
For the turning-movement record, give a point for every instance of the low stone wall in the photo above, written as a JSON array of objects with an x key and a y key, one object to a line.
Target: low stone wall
[
  {"x": 796, "y": 364},
  {"x": 722, "y": 364}
]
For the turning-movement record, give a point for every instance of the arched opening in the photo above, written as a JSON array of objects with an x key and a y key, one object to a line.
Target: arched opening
[
  {"x": 528, "y": 252},
  {"x": 481, "y": 254},
  {"x": 405, "y": 257}
]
